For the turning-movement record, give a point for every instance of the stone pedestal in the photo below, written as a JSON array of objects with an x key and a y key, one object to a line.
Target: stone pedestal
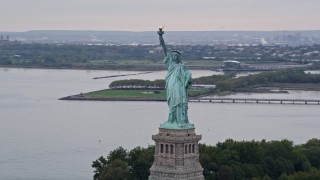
[{"x": 176, "y": 155}]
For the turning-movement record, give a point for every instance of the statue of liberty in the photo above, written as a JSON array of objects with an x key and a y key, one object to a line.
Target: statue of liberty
[{"x": 178, "y": 80}]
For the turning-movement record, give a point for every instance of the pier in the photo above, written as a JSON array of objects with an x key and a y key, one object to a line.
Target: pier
[
  {"x": 257, "y": 100},
  {"x": 119, "y": 75}
]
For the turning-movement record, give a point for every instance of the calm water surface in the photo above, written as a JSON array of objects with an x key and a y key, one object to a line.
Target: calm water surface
[{"x": 44, "y": 138}]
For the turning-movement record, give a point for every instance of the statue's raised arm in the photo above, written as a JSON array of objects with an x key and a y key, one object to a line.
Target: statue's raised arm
[{"x": 163, "y": 45}]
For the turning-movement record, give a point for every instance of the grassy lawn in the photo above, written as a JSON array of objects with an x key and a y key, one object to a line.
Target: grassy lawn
[
  {"x": 139, "y": 94},
  {"x": 128, "y": 94},
  {"x": 193, "y": 92}
]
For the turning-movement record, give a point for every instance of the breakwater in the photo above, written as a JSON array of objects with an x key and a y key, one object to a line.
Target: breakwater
[{"x": 121, "y": 75}]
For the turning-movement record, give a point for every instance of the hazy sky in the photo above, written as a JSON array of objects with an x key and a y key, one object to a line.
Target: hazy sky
[{"x": 146, "y": 15}]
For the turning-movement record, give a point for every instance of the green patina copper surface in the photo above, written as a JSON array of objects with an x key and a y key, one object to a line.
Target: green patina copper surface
[{"x": 178, "y": 80}]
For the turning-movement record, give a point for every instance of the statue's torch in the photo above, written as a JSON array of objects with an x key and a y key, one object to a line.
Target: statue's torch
[{"x": 160, "y": 32}]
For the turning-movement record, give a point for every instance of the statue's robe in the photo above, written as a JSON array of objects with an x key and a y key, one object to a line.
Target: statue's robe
[{"x": 178, "y": 80}]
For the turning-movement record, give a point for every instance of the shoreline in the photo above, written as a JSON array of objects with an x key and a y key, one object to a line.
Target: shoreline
[
  {"x": 80, "y": 97},
  {"x": 222, "y": 100},
  {"x": 280, "y": 90}
]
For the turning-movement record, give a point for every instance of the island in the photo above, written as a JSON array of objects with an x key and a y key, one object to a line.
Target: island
[{"x": 144, "y": 90}]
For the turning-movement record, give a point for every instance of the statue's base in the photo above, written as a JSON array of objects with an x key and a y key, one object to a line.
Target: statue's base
[
  {"x": 168, "y": 125},
  {"x": 176, "y": 155}
]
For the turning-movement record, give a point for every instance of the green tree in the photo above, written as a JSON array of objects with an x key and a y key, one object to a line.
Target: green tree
[
  {"x": 208, "y": 160},
  {"x": 309, "y": 175},
  {"x": 98, "y": 165},
  {"x": 140, "y": 161},
  {"x": 225, "y": 173},
  {"x": 254, "y": 160},
  {"x": 116, "y": 170},
  {"x": 118, "y": 154}
]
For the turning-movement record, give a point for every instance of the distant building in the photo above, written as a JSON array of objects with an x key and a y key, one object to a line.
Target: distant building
[
  {"x": 230, "y": 64},
  {"x": 203, "y": 86},
  {"x": 7, "y": 41}
]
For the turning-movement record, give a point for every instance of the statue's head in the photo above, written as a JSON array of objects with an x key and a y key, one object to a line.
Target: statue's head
[{"x": 176, "y": 56}]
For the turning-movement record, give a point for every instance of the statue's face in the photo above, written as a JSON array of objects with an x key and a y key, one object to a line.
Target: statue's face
[{"x": 176, "y": 57}]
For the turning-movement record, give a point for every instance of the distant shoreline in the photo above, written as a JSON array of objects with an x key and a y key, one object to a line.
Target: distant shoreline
[
  {"x": 113, "y": 67},
  {"x": 80, "y": 97}
]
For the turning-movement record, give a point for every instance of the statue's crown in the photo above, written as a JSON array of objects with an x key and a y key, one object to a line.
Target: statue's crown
[{"x": 176, "y": 51}]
